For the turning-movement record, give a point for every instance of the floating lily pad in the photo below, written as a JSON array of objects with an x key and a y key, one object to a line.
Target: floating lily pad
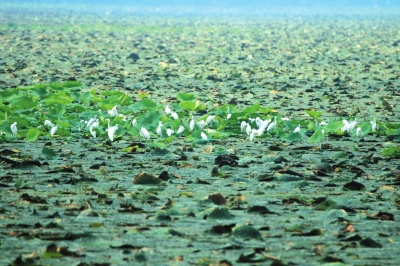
[
  {"x": 220, "y": 214},
  {"x": 371, "y": 243},
  {"x": 353, "y": 185}
]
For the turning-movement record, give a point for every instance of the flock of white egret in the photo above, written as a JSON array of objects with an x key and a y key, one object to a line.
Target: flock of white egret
[{"x": 262, "y": 126}]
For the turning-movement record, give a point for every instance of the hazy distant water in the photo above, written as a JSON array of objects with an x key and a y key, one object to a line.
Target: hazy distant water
[
  {"x": 228, "y": 3},
  {"x": 249, "y": 8}
]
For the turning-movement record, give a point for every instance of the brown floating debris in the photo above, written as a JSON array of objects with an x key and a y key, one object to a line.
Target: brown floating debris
[
  {"x": 146, "y": 179},
  {"x": 348, "y": 228},
  {"x": 164, "y": 176},
  {"x": 227, "y": 159},
  {"x": 386, "y": 216},
  {"x": 177, "y": 176},
  {"x": 33, "y": 199},
  {"x": 202, "y": 181},
  {"x": 217, "y": 198}
]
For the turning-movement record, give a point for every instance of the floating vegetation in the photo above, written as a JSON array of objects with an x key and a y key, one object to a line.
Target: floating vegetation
[{"x": 157, "y": 140}]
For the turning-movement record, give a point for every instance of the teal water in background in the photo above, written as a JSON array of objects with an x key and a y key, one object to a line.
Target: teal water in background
[
  {"x": 228, "y": 3},
  {"x": 250, "y": 8}
]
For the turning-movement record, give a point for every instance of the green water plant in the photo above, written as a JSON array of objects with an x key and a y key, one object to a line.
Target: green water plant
[
  {"x": 78, "y": 111},
  {"x": 391, "y": 151}
]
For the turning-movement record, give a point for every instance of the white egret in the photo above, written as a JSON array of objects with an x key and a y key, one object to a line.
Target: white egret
[
  {"x": 358, "y": 132},
  {"x": 169, "y": 132},
  {"x": 113, "y": 112},
  {"x": 111, "y": 132},
  {"x": 209, "y": 119},
  {"x": 124, "y": 118},
  {"x": 259, "y": 122},
  {"x": 191, "y": 125},
  {"x": 345, "y": 125},
  {"x": 348, "y": 126},
  {"x": 91, "y": 121},
  {"x": 174, "y": 115},
  {"x": 352, "y": 125},
  {"x": 134, "y": 122},
  {"x": 201, "y": 124},
  {"x": 243, "y": 126},
  {"x": 253, "y": 134},
  {"x": 323, "y": 123},
  {"x": 48, "y": 123},
  {"x": 94, "y": 124},
  {"x": 144, "y": 133},
  {"x": 373, "y": 125},
  {"x": 297, "y": 129},
  {"x": 167, "y": 110},
  {"x": 248, "y": 129},
  {"x": 263, "y": 126},
  {"x": 260, "y": 131},
  {"x": 203, "y": 136},
  {"x": 53, "y": 130},
  {"x": 180, "y": 129},
  {"x": 266, "y": 123},
  {"x": 159, "y": 130},
  {"x": 272, "y": 125},
  {"x": 14, "y": 129},
  {"x": 92, "y": 131}
]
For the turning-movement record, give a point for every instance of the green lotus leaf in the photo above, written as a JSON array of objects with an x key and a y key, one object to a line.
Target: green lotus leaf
[
  {"x": 317, "y": 136},
  {"x": 184, "y": 97},
  {"x": 32, "y": 134}
]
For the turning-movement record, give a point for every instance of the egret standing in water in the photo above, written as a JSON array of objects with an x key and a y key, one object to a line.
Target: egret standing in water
[
  {"x": 272, "y": 125},
  {"x": 144, "y": 133},
  {"x": 174, "y": 115},
  {"x": 48, "y": 123},
  {"x": 53, "y": 130},
  {"x": 204, "y": 136},
  {"x": 113, "y": 112},
  {"x": 209, "y": 120},
  {"x": 180, "y": 130},
  {"x": 359, "y": 132},
  {"x": 14, "y": 129},
  {"x": 159, "y": 129},
  {"x": 191, "y": 125},
  {"x": 253, "y": 134},
  {"x": 111, "y": 132},
  {"x": 201, "y": 124},
  {"x": 93, "y": 125},
  {"x": 297, "y": 129},
  {"x": 169, "y": 132},
  {"x": 243, "y": 126},
  {"x": 167, "y": 110}
]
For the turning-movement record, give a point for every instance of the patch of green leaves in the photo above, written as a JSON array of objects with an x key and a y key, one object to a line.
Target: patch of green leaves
[
  {"x": 294, "y": 137},
  {"x": 184, "y": 97},
  {"x": 392, "y": 151},
  {"x": 33, "y": 134},
  {"x": 317, "y": 136}
]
